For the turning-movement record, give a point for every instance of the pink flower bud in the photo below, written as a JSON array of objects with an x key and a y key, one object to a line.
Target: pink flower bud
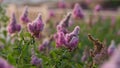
[{"x": 78, "y": 12}]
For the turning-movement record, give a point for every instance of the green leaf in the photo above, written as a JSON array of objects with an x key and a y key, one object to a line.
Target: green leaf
[{"x": 11, "y": 59}]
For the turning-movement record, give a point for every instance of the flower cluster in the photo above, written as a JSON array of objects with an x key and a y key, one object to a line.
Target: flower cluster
[
  {"x": 24, "y": 17},
  {"x": 78, "y": 12},
  {"x": 36, "y": 26},
  {"x": 63, "y": 38},
  {"x": 36, "y": 61},
  {"x": 61, "y": 27},
  {"x": 13, "y": 27}
]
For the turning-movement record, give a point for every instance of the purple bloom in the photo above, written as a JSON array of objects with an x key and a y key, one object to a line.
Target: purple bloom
[
  {"x": 61, "y": 4},
  {"x": 13, "y": 26},
  {"x": 59, "y": 38},
  {"x": 4, "y": 64},
  {"x": 72, "y": 44},
  {"x": 114, "y": 61},
  {"x": 78, "y": 12},
  {"x": 111, "y": 48},
  {"x": 61, "y": 27},
  {"x": 51, "y": 13},
  {"x": 76, "y": 31},
  {"x": 36, "y": 26},
  {"x": 36, "y": 61},
  {"x": 69, "y": 40},
  {"x": 65, "y": 21},
  {"x": 44, "y": 45},
  {"x": 84, "y": 58},
  {"x": 97, "y": 8},
  {"x": 24, "y": 18},
  {"x": 72, "y": 38}
]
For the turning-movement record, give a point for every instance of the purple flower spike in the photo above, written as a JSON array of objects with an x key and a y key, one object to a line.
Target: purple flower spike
[
  {"x": 59, "y": 38},
  {"x": 44, "y": 45},
  {"x": 61, "y": 27},
  {"x": 13, "y": 26},
  {"x": 36, "y": 61},
  {"x": 65, "y": 22},
  {"x": 111, "y": 48},
  {"x": 72, "y": 38},
  {"x": 75, "y": 31},
  {"x": 78, "y": 12},
  {"x": 36, "y": 26},
  {"x": 4, "y": 64},
  {"x": 73, "y": 42},
  {"x": 97, "y": 8},
  {"x": 24, "y": 18}
]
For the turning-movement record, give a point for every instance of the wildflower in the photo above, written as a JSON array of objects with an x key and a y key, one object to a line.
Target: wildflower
[
  {"x": 13, "y": 26},
  {"x": 24, "y": 18},
  {"x": 78, "y": 12},
  {"x": 61, "y": 27},
  {"x": 114, "y": 61},
  {"x": 60, "y": 39},
  {"x": 111, "y": 48},
  {"x": 72, "y": 38},
  {"x": 97, "y": 8},
  {"x": 36, "y": 27},
  {"x": 36, "y": 61},
  {"x": 44, "y": 45},
  {"x": 5, "y": 64}
]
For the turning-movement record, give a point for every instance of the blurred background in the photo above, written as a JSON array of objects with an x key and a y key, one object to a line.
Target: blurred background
[{"x": 111, "y": 6}]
